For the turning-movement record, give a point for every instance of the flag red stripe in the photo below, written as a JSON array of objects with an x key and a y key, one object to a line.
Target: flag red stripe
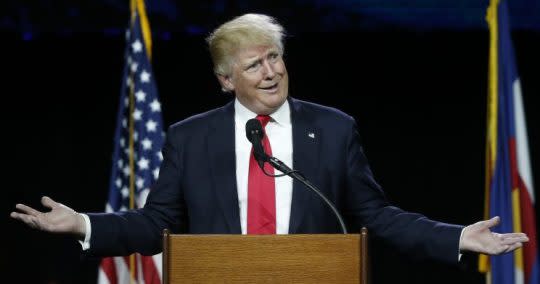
[
  {"x": 528, "y": 226},
  {"x": 150, "y": 271},
  {"x": 109, "y": 268},
  {"x": 528, "y": 222}
]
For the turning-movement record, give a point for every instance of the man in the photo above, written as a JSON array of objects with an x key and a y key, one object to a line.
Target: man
[{"x": 210, "y": 182}]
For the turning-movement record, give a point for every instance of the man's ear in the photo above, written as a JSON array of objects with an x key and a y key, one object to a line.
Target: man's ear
[{"x": 226, "y": 83}]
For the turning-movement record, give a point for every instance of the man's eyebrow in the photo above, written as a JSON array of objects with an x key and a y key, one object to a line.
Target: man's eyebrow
[
  {"x": 257, "y": 58},
  {"x": 250, "y": 61}
]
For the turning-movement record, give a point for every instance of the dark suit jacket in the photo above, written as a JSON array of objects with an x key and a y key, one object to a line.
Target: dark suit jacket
[{"x": 196, "y": 190}]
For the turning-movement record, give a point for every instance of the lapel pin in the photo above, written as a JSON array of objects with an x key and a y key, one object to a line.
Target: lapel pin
[{"x": 311, "y": 135}]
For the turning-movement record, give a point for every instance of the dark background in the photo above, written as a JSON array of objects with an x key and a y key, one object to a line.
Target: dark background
[{"x": 414, "y": 78}]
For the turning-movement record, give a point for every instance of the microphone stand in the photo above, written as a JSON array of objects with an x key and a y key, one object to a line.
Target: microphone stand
[
  {"x": 280, "y": 166},
  {"x": 255, "y": 133}
]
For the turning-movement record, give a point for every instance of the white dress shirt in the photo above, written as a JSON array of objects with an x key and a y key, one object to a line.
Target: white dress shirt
[{"x": 279, "y": 132}]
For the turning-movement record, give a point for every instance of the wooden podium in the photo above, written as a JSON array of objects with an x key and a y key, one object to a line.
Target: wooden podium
[{"x": 330, "y": 258}]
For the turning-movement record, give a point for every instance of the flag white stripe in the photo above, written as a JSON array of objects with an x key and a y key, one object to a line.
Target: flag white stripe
[
  {"x": 522, "y": 145},
  {"x": 158, "y": 262},
  {"x": 122, "y": 270},
  {"x": 140, "y": 275},
  {"x": 518, "y": 276},
  {"x": 102, "y": 277}
]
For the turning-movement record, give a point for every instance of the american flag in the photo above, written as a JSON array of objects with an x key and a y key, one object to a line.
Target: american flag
[{"x": 137, "y": 150}]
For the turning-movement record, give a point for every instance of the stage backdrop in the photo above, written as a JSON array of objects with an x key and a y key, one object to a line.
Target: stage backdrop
[{"x": 419, "y": 97}]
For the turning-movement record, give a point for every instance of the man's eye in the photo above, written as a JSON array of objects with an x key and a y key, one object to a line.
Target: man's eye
[
  {"x": 253, "y": 66},
  {"x": 273, "y": 56}
]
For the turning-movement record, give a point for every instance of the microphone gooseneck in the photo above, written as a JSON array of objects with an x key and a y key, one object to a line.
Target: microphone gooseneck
[{"x": 255, "y": 134}]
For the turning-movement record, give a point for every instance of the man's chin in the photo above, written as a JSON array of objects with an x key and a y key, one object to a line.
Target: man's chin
[
  {"x": 268, "y": 107},
  {"x": 275, "y": 101}
]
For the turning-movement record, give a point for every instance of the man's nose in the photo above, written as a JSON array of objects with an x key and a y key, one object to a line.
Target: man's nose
[{"x": 269, "y": 70}]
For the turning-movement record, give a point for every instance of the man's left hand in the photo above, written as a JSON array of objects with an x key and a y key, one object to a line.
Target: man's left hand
[{"x": 479, "y": 238}]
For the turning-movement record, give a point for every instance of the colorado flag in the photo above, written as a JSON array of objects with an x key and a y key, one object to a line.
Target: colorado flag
[{"x": 509, "y": 185}]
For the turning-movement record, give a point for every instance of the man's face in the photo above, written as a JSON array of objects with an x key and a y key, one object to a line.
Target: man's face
[{"x": 258, "y": 78}]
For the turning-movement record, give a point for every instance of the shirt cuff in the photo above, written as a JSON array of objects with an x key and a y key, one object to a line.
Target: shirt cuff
[
  {"x": 459, "y": 250},
  {"x": 86, "y": 243}
]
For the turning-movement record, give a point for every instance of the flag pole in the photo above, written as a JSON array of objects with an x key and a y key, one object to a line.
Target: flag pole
[
  {"x": 131, "y": 147},
  {"x": 137, "y": 152},
  {"x": 491, "y": 121}
]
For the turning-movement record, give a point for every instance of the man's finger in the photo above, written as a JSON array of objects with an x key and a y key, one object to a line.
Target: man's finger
[
  {"x": 15, "y": 215},
  {"x": 513, "y": 240},
  {"x": 27, "y": 209},
  {"x": 27, "y": 219},
  {"x": 513, "y": 247},
  {"x": 515, "y": 235}
]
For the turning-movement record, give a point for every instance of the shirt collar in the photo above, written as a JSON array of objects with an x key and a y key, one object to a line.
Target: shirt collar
[{"x": 282, "y": 116}]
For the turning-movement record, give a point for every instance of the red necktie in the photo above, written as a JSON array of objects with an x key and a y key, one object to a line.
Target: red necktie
[{"x": 261, "y": 216}]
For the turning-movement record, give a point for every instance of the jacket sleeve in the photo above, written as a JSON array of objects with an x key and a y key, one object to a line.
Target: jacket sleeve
[
  {"x": 122, "y": 233},
  {"x": 410, "y": 233}
]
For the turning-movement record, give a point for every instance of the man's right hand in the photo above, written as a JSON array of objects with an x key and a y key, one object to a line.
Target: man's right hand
[{"x": 61, "y": 219}]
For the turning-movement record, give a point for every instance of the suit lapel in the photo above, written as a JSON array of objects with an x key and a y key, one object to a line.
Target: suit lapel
[
  {"x": 221, "y": 155},
  {"x": 305, "y": 159}
]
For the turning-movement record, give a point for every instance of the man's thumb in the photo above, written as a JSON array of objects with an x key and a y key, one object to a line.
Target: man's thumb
[
  {"x": 493, "y": 222},
  {"x": 48, "y": 202}
]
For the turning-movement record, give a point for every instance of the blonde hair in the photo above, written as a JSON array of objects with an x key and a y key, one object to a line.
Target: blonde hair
[{"x": 240, "y": 32}]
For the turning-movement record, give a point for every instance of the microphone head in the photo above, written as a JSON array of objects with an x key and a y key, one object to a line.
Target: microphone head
[{"x": 254, "y": 130}]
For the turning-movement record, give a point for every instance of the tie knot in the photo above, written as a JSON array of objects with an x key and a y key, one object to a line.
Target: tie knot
[{"x": 264, "y": 119}]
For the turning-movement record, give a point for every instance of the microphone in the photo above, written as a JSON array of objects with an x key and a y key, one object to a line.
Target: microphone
[{"x": 255, "y": 134}]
